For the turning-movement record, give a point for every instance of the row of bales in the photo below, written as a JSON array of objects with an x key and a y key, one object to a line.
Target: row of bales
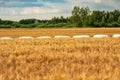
[{"x": 62, "y": 36}]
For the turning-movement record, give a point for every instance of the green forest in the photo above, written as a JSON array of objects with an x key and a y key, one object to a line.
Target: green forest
[{"x": 80, "y": 17}]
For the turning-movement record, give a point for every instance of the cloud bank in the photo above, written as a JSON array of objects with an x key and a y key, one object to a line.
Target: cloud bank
[{"x": 46, "y": 9}]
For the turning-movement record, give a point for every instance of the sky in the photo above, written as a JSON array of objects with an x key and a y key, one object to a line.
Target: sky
[{"x": 46, "y": 9}]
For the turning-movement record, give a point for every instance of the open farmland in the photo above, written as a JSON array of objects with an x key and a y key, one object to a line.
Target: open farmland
[
  {"x": 59, "y": 59},
  {"x": 52, "y": 32}
]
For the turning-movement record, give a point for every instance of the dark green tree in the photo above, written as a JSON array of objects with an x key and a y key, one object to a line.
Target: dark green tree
[
  {"x": 110, "y": 18},
  {"x": 116, "y": 14},
  {"x": 76, "y": 17},
  {"x": 84, "y": 15},
  {"x": 119, "y": 19}
]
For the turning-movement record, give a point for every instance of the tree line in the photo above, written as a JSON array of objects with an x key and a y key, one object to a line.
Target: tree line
[{"x": 81, "y": 17}]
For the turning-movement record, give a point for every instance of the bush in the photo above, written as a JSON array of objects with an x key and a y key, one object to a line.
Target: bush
[
  {"x": 51, "y": 26},
  {"x": 114, "y": 24},
  {"x": 43, "y": 25},
  {"x": 5, "y": 26},
  {"x": 96, "y": 24},
  {"x": 101, "y": 24}
]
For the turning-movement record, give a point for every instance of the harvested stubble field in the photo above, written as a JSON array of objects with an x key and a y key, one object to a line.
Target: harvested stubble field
[
  {"x": 52, "y": 32},
  {"x": 60, "y": 59}
]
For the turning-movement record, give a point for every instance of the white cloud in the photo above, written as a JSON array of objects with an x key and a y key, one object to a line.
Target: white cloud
[
  {"x": 37, "y": 10},
  {"x": 13, "y": 12},
  {"x": 8, "y": 11},
  {"x": 49, "y": 9},
  {"x": 97, "y": 1}
]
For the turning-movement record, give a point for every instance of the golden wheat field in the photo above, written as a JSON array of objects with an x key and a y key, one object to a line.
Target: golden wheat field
[
  {"x": 52, "y": 32},
  {"x": 59, "y": 59}
]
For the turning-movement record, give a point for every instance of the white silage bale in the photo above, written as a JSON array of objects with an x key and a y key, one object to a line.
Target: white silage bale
[
  {"x": 5, "y": 38},
  {"x": 100, "y": 36},
  {"x": 116, "y": 36},
  {"x": 42, "y": 37},
  {"x": 81, "y": 36},
  {"x": 25, "y": 37},
  {"x": 62, "y": 37}
]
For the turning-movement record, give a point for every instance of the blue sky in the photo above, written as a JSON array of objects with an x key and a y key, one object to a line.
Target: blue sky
[{"x": 46, "y": 9}]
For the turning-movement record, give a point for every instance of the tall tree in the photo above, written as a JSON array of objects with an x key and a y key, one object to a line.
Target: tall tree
[
  {"x": 76, "y": 19},
  {"x": 116, "y": 14},
  {"x": 110, "y": 18},
  {"x": 84, "y": 14},
  {"x": 119, "y": 19}
]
